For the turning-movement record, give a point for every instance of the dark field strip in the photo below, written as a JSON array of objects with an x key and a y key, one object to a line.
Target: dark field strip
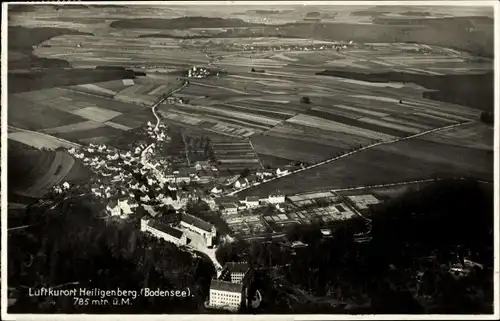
[
  {"x": 44, "y": 162},
  {"x": 425, "y": 121},
  {"x": 357, "y": 123},
  {"x": 291, "y": 106},
  {"x": 273, "y": 161},
  {"x": 38, "y": 116},
  {"x": 83, "y": 134},
  {"x": 294, "y": 149},
  {"x": 103, "y": 102},
  {"x": 134, "y": 120}
]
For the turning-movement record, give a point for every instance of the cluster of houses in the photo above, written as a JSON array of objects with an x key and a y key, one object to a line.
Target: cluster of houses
[
  {"x": 175, "y": 230},
  {"x": 313, "y": 47},
  {"x": 230, "y": 290},
  {"x": 198, "y": 72},
  {"x": 230, "y": 205},
  {"x": 125, "y": 182}
]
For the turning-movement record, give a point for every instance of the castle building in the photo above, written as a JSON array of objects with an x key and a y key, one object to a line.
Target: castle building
[
  {"x": 163, "y": 231},
  {"x": 200, "y": 227}
]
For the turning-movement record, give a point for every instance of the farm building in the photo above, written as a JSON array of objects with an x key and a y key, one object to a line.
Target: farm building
[
  {"x": 229, "y": 209},
  {"x": 241, "y": 183},
  {"x": 252, "y": 201}
]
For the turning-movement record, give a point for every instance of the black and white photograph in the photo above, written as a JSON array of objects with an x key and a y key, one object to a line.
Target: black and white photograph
[{"x": 269, "y": 159}]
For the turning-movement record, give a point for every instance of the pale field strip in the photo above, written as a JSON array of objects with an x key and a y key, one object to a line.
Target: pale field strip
[
  {"x": 270, "y": 100},
  {"x": 263, "y": 108},
  {"x": 97, "y": 89},
  {"x": 34, "y": 141},
  {"x": 85, "y": 125},
  {"x": 378, "y": 98},
  {"x": 443, "y": 119},
  {"x": 392, "y": 125},
  {"x": 316, "y": 122},
  {"x": 407, "y": 123},
  {"x": 273, "y": 92},
  {"x": 137, "y": 99},
  {"x": 97, "y": 140},
  {"x": 239, "y": 160},
  {"x": 159, "y": 89},
  {"x": 118, "y": 126},
  {"x": 370, "y": 84},
  {"x": 451, "y": 108},
  {"x": 239, "y": 123},
  {"x": 96, "y": 114},
  {"x": 192, "y": 120},
  {"x": 240, "y": 115},
  {"x": 434, "y": 112},
  {"x": 361, "y": 111},
  {"x": 282, "y": 56},
  {"x": 433, "y": 73},
  {"x": 412, "y": 117},
  {"x": 429, "y": 107}
]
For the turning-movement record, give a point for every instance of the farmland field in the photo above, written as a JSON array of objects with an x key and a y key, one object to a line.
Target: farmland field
[
  {"x": 275, "y": 100},
  {"x": 409, "y": 160}
]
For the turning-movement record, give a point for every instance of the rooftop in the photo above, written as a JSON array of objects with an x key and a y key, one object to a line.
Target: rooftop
[
  {"x": 227, "y": 206},
  {"x": 195, "y": 221},
  {"x": 252, "y": 199},
  {"x": 165, "y": 229},
  {"x": 226, "y": 286}
]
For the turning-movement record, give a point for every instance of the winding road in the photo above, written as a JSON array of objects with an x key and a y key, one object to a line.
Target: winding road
[{"x": 159, "y": 176}]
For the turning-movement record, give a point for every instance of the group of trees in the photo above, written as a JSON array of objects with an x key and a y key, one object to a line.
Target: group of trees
[
  {"x": 199, "y": 148},
  {"x": 487, "y": 117},
  {"x": 405, "y": 268}
]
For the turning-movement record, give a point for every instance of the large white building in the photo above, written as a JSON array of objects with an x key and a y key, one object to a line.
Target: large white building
[
  {"x": 226, "y": 295},
  {"x": 163, "y": 231},
  {"x": 276, "y": 198}
]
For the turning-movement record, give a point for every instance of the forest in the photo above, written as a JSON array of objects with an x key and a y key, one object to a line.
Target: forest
[{"x": 406, "y": 267}]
